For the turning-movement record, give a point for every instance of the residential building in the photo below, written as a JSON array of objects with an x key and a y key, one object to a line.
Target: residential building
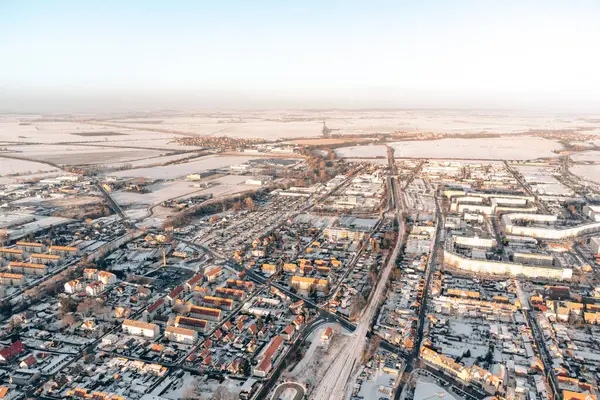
[
  {"x": 73, "y": 286},
  {"x": 139, "y": 328},
  {"x": 47, "y": 259},
  {"x": 90, "y": 274},
  {"x": 327, "y": 334},
  {"x": 11, "y": 254},
  {"x": 269, "y": 269},
  {"x": 24, "y": 377},
  {"x": 10, "y": 279},
  {"x": 192, "y": 283},
  {"x": 155, "y": 309},
  {"x": 30, "y": 247},
  {"x": 191, "y": 323},
  {"x": 308, "y": 284},
  {"x": 107, "y": 278},
  {"x": 595, "y": 245},
  {"x": 230, "y": 293},
  {"x": 224, "y": 304},
  {"x": 268, "y": 356},
  {"x": 211, "y": 314},
  {"x": 174, "y": 295},
  {"x": 11, "y": 352},
  {"x": 27, "y": 268},
  {"x": 213, "y": 273},
  {"x": 181, "y": 335},
  {"x": 94, "y": 288},
  {"x": 64, "y": 250}
]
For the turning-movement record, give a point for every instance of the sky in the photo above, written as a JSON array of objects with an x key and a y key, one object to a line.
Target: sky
[{"x": 85, "y": 55}]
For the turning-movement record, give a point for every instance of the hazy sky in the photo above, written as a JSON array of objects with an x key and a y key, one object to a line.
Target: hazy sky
[{"x": 449, "y": 53}]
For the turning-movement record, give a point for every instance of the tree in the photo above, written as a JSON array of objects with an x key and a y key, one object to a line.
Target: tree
[
  {"x": 33, "y": 293},
  {"x": 358, "y": 302},
  {"x": 373, "y": 346},
  {"x": 249, "y": 203},
  {"x": 245, "y": 367},
  {"x": 67, "y": 320},
  {"x": 5, "y": 308},
  {"x": 67, "y": 305}
]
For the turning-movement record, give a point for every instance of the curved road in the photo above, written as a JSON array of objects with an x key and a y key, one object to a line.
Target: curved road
[{"x": 289, "y": 385}]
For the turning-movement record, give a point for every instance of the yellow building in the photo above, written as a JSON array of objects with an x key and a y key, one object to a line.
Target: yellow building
[{"x": 307, "y": 284}]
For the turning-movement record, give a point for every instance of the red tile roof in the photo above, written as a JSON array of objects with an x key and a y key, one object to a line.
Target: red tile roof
[
  {"x": 10, "y": 352},
  {"x": 156, "y": 305},
  {"x": 176, "y": 292}
]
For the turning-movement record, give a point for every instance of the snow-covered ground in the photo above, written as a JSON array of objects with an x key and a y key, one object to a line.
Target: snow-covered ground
[
  {"x": 378, "y": 161},
  {"x": 505, "y": 148},
  {"x": 162, "y": 191},
  {"x": 80, "y": 155},
  {"x": 150, "y": 161},
  {"x": 318, "y": 357},
  {"x": 370, "y": 389},
  {"x": 315, "y": 342},
  {"x": 180, "y": 170},
  {"x": 429, "y": 390},
  {"x": 285, "y": 124},
  {"x": 149, "y": 140},
  {"x": 10, "y": 166},
  {"x": 591, "y": 155},
  {"x": 159, "y": 192},
  {"x": 362, "y": 151},
  {"x": 587, "y": 172}
]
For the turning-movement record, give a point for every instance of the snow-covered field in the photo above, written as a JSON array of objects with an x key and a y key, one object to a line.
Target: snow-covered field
[
  {"x": 30, "y": 129},
  {"x": 283, "y": 124},
  {"x": 592, "y": 155},
  {"x": 587, "y": 172},
  {"x": 80, "y": 155},
  {"x": 159, "y": 192},
  {"x": 378, "y": 161},
  {"x": 151, "y": 161},
  {"x": 10, "y": 166},
  {"x": 179, "y": 170},
  {"x": 509, "y": 148},
  {"x": 147, "y": 140},
  {"x": 361, "y": 151}
]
